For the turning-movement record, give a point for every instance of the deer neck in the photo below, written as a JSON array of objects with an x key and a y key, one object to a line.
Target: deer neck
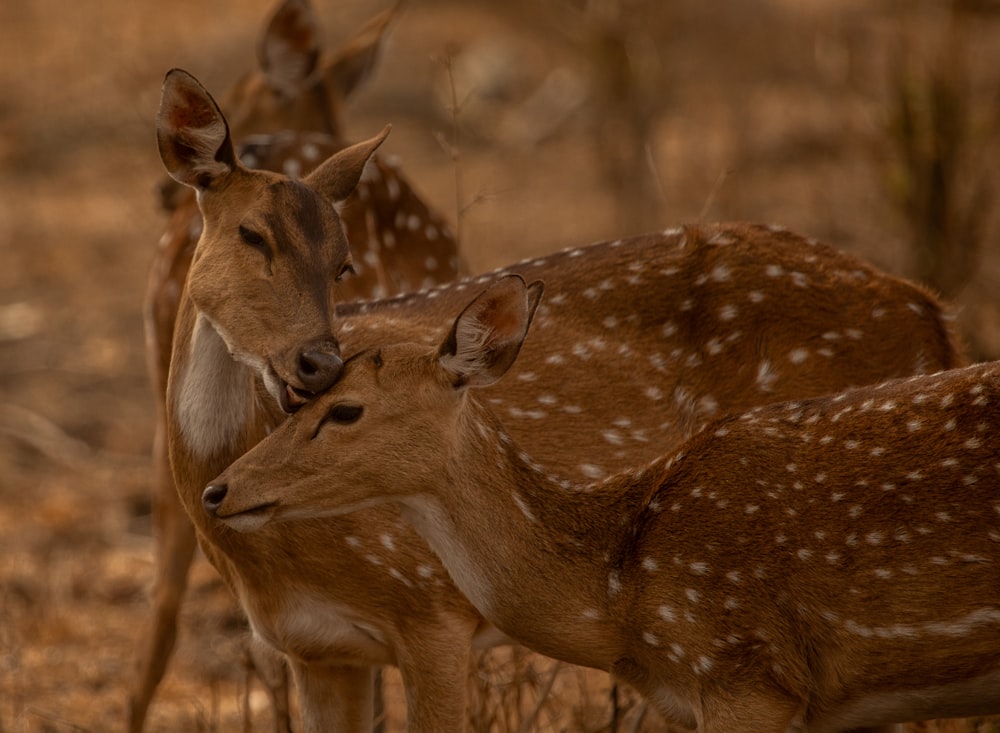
[
  {"x": 505, "y": 527},
  {"x": 217, "y": 413}
]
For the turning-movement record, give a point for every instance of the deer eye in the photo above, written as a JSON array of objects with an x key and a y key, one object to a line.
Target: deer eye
[
  {"x": 341, "y": 414},
  {"x": 347, "y": 269},
  {"x": 345, "y": 414},
  {"x": 254, "y": 239}
]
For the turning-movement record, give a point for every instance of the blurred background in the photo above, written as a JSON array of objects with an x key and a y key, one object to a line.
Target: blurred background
[{"x": 870, "y": 124}]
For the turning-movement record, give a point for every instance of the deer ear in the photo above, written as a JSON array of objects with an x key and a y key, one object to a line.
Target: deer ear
[
  {"x": 192, "y": 133},
  {"x": 338, "y": 176},
  {"x": 289, "y": 49},
  {"x": 487, "y": 336},
  {"x": 355, "y": 61}
]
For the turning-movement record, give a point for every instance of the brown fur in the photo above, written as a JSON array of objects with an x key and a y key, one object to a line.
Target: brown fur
[
  {"x": 646, "y": 366},
  {"x": 815, "y": 565}
]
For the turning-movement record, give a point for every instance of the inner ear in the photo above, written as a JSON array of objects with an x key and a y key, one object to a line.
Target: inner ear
[
  {"x": 191, "y": 132},
  {"x": 487, "y": 336}
]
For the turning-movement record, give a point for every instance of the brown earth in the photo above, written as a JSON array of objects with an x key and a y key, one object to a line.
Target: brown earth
[{"x": 772, "y": 111}]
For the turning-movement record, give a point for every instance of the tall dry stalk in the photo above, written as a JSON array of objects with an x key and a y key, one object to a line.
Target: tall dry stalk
[
  {"x": 622, "y": 42},
  {"x": 939, "y": 176}
]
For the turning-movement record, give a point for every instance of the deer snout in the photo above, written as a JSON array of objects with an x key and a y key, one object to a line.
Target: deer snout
[
  {"x": 318, "y": 365},
  {"x": 213, "y": 496},
  {"x": 240, "y": 518}
]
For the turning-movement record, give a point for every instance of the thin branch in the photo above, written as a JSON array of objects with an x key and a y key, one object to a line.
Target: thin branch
[
  {"x": 543, "y": 696},
  {"x": 52, "y": 441},
  {"x": 54, "y": 719},
  {"x": 655, "y": 173},
  {"x": 716, "y": 187}
]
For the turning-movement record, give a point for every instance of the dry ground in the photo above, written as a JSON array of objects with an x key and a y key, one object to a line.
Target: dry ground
[{"x": 768, "y": 110}]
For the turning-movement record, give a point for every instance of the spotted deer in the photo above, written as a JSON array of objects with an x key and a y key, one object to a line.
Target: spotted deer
[
  {"x": 648, "y": 338},
  {"x": 814, "y": 565},
  {"x": 287, "y": 116}
]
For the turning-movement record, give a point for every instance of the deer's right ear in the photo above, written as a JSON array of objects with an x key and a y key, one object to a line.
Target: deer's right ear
[
  {"x": 356, "y": 60},
  {"x": 192, "y": 133},
  {"x": 487, "y": 337},
  {"x": 338, "y": 176}
]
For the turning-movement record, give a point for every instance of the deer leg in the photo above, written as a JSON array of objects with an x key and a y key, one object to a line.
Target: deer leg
[
  {"x": 174, "y": 545},
  {"x": 269, "y": 665},
  {"x": 334, "y": 698},
  {"x": 435, "y": 677}
]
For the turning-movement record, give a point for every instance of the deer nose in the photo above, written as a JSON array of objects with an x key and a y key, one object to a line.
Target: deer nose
[
  {"x": 213, "y": 497},
  {"x": 318, "y": 365}
]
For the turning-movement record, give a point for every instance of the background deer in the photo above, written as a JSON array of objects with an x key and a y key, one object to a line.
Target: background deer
[
  {"x": 651, "y": 336},
  {"x": 288, "y": 113},
  {"x": 815, "y": 565}
]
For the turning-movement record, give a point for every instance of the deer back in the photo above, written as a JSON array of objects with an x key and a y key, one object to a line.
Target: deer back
[{"x": 638, "y": 343}]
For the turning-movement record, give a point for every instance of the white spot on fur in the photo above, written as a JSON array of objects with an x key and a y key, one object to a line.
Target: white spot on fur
[
  {"x": 524, "y": 507},
  {"x": 614, "y": 583},
  {"x": 798, "y": 355},
  {"x": 766, "y": 376}
]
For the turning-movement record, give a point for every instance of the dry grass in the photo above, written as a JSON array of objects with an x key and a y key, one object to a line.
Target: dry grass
[{"x": 765, "y": 112}]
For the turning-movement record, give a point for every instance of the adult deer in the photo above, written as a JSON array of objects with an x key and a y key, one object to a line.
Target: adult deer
[
  {"x": 398, "y": 243},
  {"x": 807, "y": 566},
  {"x": 647, "y": 337}
]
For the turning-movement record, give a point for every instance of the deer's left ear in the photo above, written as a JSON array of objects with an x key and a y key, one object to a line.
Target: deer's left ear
[
  {"x": 487, "y": 336},
  {"x": 338, "y": 176},
  {"x": 289, "y": 48},
  {"x": 354, "y": 63}
]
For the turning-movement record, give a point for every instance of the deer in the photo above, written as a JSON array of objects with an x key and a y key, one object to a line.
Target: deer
[
  {"x": 813, "y": 565},
  {"x": 800, "y": 317},
  {"x": 286, "y": 115},
  {"x": 658, "y": 321}
]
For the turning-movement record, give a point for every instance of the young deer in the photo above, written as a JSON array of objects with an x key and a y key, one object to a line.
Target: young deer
[
  {"x": 815, "y": 565},
  {"x": 339, "y": 596}
]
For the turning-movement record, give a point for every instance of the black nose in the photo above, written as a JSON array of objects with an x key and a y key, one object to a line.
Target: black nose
[
  {"x": 213, "y": 497},
  {"x": 319, "y": 365}
]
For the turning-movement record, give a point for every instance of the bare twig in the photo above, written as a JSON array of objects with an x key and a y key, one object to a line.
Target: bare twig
[
  {"x": 56, "y": 720},
  {"x": 543, "y": 695},
  {"x": 654, "y": 172},
  {"x": 453, "y": 148},
  {"x": 55, "y": 443},
  {"x": 716, "y": 187}
]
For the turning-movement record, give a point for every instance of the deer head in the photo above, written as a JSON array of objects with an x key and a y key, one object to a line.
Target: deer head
[
  {"x": 278, "y": 244},
  {"x": 295, "y": 86},
  {"x": 402, "y": 399}
]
